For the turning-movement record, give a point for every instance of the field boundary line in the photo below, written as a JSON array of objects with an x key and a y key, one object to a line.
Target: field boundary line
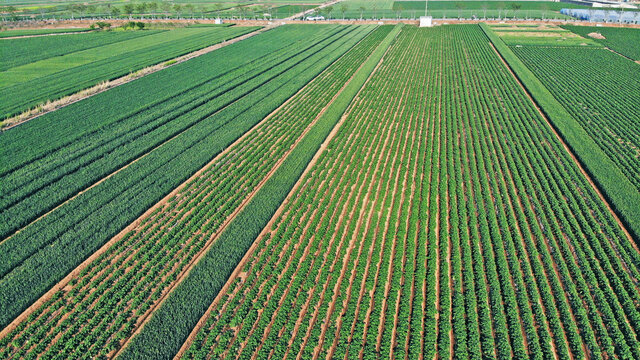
[
  {"x": 103, "y": 86},
  {"x": 568, "y": 150}
]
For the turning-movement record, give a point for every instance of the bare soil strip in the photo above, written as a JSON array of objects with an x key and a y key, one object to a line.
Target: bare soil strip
[{"x": 106, "y": 85}]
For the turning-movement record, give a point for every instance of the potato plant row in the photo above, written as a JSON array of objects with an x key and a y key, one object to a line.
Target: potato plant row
[
  {"x": 45, "y": 251},
  {"x": 599, "y": 89},
  {"x": 32, "y": 84},
  {"x": 169, "y": 327},
  {"x": 443, "y": 219},
  {"x": 119, "y": 287}
]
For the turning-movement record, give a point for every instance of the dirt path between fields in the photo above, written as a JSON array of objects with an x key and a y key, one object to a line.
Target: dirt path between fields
[
  {"x": 568, "y": 150},
  {"x": 106, "y": 85}
]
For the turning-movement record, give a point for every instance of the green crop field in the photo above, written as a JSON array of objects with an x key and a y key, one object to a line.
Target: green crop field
[
  {"x": 623, "y": 41},
  {"x": 39, "y": 77},
  {"x": 322, "y": 191},
  {"x": 542, "y": 36},
  {"x": 12, "y": 33}
]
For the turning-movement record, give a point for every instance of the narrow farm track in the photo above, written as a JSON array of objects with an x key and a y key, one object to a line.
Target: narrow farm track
[{"x": 465, "y": 245}]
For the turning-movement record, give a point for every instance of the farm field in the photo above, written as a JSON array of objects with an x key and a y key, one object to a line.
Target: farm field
[
  {"x": 612, "y": 123},
  {"x": 621, "y": 40},
  {"x": 100, "y": 176},
  {"x": 202, "y": 206},
  {"x": 381, "y": 252},
  {"x": 11, "y": 33},
  {"x": 543, "y": 35},
  {"x": 34, "y": 79},
  {"x": 600, "y": 107},
  {"x": 317, "y": 190}
]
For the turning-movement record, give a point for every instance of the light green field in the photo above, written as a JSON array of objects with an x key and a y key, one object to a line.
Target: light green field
[
  {"x": 541, "y": 35},
  {"x": 11, "y": 33}
]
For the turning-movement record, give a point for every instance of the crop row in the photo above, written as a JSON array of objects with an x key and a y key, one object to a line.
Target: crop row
[
  {"x": 114, "y": 292},
  {"x": 49, "y": 79},
  {"x": 33, "y": 260},
  {"x": 444, "y": 219},
  {"x": 599, "y": 89},
  {"x": 164, "y": 335}
]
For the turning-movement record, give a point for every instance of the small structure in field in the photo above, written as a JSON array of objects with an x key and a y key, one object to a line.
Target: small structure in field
[{"x": 425, "y": 21}]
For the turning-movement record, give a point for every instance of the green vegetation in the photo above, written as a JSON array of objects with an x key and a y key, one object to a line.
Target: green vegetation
[
  {"x": 441, "y": 221},
  {"x": 162, "y": 337},
  {"x": 580, "y": 124},
  {"x": 29, "y": 50},
  {"x": 31, "y": 84},
  {"x": 452, "y": 9},
  {"x": 117, "y": 9},
  {"x": 542, "y": 35},
  {"x": 11, "y": 33},
  {"x": 621, "y": 40},
  {"x": 202, "y": 206},
  {"x": 171, "y": 124}
]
